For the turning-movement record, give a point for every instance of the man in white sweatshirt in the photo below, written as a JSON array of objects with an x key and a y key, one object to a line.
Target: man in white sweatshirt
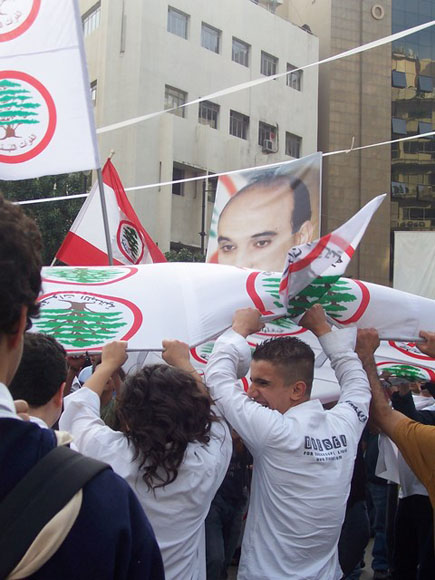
[{"x": 303, "y": 455}]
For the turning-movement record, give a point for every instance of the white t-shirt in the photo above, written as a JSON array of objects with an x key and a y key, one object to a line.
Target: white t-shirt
[
  {"x": 177, "y": 512},
  {"x": 303, "y": 463}
]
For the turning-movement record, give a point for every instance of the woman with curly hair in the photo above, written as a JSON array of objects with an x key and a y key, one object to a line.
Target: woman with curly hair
[{"x": 171, "y": 447}]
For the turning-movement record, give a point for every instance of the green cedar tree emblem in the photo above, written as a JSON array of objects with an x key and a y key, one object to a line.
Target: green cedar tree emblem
[
  {"x": 405, "y": 371},
  {"x": 131, "y": 242},
  {"x": 329, "y": 291},
  {"x": 16, "y": 108},
  {"x": 78, "y": 326},
  {"x": 83, "y": 275}
]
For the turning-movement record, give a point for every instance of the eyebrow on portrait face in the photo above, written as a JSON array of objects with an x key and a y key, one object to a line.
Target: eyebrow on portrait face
[
  {"x": 267, "y": 233},
  {"x": 254, "y": 236},
  {"x": 223, "y": 239}
]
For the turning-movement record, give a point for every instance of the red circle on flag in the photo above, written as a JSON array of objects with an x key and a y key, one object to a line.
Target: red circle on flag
[
  {"x": 24, "y": 25},
  {"x": 430, "y": 372},
  {"x": 53, "y": 280},
  {"x": 52, "y": 117},
  {"x": 411, "y": 354},
  {"x": 365, "y": 299},
  {"x": 120, "y": 246},
  {"x": 135, "y": 312}
]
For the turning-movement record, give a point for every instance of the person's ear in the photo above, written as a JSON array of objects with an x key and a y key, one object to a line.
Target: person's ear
[
  {"x": 15, "y": 337},
  {"x": 58, "y": 397},
  {"x": 298, "y": 391},
  {"x": 305, "y": 233}
]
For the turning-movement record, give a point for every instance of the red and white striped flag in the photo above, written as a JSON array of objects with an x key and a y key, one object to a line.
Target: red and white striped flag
[{"x": 85, "y": 243}]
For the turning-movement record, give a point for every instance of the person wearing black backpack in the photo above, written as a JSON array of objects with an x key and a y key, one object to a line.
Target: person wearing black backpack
[{"x": 61, "y": 515}]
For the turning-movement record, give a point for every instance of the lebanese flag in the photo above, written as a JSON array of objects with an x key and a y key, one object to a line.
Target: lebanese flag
[
  {"x": 85, "y": 243},
  {"x": 327, "y": 256}
]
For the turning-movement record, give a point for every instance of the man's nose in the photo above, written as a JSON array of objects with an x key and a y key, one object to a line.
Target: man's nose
[
  {"x": 252, "y": 391},
  {"x": 244, "y": 259}
]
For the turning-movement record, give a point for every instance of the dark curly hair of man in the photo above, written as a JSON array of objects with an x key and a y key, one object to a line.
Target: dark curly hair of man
[
  {"x": 161, "y": 410},
  {"x": 292, "y": 355},
  {"x": 20, "y": 265}
]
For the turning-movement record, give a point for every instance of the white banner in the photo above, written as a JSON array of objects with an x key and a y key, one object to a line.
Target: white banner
[
  {"x": 46, "y": 114},
  {"x": 414, "y": 263}
]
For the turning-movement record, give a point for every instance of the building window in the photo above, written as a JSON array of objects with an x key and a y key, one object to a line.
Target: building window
[
  {"x": 294, "y": 79},
  {"x": 398, "y": 126},
  {"x": 267, "y": 136},
  {"x": 177, "y": 22},
  {"x": 425, "y": 84},
  {"x": 208, "y": 114},
  {"x": 293, "y": 145},
  {"x": 398, "y": 79},
  {"x": 211, "y": 189},
  {"x": 210, "y": 38},
  {"x": 91, "y": 19},
  {"x": 424, "y": 192},
  {"x": 398, "y": 189},
  {"x": 424, "y": 127},
  {"x": 240, "y": 52},
  {"x": 177, "y": 174},
  {"x": 269, "y": 64},
  {"x": 239, "y": 125},
  {"x": 94, "y": 92},
  {"x": 175, "y": 98}
]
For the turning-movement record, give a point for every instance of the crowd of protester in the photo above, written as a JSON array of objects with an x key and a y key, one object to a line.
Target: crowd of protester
[{"x": 163, "y": 474}]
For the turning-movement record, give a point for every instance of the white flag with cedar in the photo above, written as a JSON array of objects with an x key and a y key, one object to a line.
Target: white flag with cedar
[{"x": 46, "y": 114}]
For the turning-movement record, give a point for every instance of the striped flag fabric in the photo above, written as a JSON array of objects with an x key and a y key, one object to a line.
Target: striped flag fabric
[{"x": 85, "y": 243}]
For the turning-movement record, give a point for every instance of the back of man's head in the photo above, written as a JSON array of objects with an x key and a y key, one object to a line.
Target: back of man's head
[
  {"x": 20, "y": 265},
  {"x": 42, "y": 370},
  {"x": 293, "y": 356}
]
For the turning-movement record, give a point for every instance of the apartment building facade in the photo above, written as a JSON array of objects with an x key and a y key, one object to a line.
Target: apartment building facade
[
  {"x": 145, "y": 57},
  {"x": 383, "y": 94}
]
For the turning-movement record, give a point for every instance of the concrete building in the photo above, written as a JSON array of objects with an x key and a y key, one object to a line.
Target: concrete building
[
  {"x": 413, "y": 113},
  {"x": 382, "y": 94},
  {"x": 145, "y": 56},
  {"x": 354, "y": 106}
]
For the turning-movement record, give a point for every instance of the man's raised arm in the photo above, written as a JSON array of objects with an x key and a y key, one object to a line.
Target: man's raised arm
[
  {"x": 380, "y": 410},
  {"x": 229, "y": 362}
]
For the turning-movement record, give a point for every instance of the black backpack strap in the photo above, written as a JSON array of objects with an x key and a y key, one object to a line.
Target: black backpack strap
[{"x": 38, "y": 497}]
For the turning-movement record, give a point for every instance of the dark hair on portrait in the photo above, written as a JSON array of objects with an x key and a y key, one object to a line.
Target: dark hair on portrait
[
  {"x": 161, "y": 410},
  {"x": 42, "y": 370},
  {"x": 294, "y": 356},
  {"x": 302, "y": 204},
  {"x": 20, "y": 265}
]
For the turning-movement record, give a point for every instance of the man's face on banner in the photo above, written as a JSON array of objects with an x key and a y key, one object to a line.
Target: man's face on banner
[{"x": 255, "y": 228}]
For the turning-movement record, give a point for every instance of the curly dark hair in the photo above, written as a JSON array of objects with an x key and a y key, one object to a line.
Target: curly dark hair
[
  {"x": 20, "y": 265},
  {"x": 161, "y": 410},
  {"x": 42, "y": 370},
  {"x": 294, "y": 356}
]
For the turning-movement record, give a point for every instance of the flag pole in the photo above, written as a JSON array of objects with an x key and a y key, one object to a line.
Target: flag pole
[{"x": 105, "y": 220}]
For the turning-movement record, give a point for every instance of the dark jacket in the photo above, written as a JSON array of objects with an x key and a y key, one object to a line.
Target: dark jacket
[
  {"x": 111, "y": 537},
  {"x": 406, "y": 406}
]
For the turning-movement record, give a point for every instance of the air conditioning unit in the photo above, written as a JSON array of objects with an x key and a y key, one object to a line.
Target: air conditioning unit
[{"x": 268, "y": 146}]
